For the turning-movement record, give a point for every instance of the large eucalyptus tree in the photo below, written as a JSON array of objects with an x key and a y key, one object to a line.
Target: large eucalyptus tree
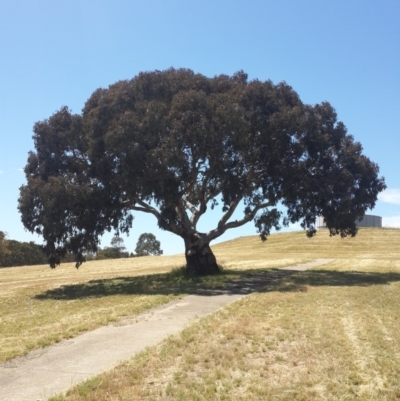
[{"x": 174, "y": 143}]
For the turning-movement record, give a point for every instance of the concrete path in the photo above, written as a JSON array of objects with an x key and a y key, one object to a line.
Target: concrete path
[{"x": 44, "y": 373}]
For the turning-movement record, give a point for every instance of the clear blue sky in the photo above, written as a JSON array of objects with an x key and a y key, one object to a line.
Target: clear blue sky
[{"x": 55, "y": 53}]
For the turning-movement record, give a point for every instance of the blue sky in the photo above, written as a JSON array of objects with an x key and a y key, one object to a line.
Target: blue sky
[{"x": 56, "y": 53}]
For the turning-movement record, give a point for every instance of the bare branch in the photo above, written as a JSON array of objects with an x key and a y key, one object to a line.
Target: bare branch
[
  {"x": 196, "y": 213},
  {"x": 230, "y": 211},
  {"x": 149, "y": 209},
  {"x": 237, "y": 223},
  {"x": 141, "y": 209},
  {"x": 203, "y": 199},
  {"x": 190, "y": 206},
  {"x": 181, "y": 211},
  {"x": 146, "y": 208},
  {"x": 202, "y": 209}
]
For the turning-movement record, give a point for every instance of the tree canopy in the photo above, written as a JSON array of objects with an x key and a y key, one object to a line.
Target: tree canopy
[
  {"x": 147, "y": 245},
  {"x": 174, "y": 143}
]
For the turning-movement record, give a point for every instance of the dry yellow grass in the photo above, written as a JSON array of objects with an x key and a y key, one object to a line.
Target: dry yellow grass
[
  {"x": 328, "y": 334},
  {"x": 28, "y": 322},
  {"x": 332, "y": 333},
  {"x": 321, "y": 344},
  {"x": 29, "y": 276},
  {"x": 81, "y": 300}
]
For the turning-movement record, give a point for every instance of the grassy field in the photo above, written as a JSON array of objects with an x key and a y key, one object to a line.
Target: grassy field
[
  {"x": 326, "y": 334},
  {"x": 40, "y": 306}
]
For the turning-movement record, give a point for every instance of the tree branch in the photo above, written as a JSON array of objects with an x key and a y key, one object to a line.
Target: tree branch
[
  {"x": 190, "y": 206},
  {"x": 196, "y": 213},
  {"x": 202, "y": 198},
  {"x": 211, "y": 235},
  {"x": 141, "y": 209},
  {"x": 212, "y": 195},
  {"x": 146, "y": 208},
  {"x": 181, "y": 211},
  {"x": 202, "y": 209},
  {"x": 230, "y": 211}
]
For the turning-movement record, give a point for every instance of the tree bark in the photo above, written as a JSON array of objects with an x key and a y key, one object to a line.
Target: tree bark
[{"x": 200, "y": 260}]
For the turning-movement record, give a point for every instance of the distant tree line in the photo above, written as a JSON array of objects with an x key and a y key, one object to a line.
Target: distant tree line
[
  {"x": 16, "y": 253},
  {"x": 23, "y": 253}
]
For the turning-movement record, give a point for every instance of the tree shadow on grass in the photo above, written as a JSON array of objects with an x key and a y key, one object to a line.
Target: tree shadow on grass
[
  {"x": 299, "y": 281},
  {"x": 229, "y": 282},
  {"x": 173, "y": 283}
]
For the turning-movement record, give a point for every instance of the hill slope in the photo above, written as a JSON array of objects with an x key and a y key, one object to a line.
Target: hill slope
[{"x": 369, "y": 247}]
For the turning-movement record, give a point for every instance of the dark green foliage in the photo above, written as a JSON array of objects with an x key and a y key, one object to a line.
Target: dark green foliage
[
  {"x": 148, "y": 245},
  {"x": 22, "y": 254},
  {"x": 25, "y": 253},
  {"x": 172, "y": 143},
  {"x": 4, "y": 251}
]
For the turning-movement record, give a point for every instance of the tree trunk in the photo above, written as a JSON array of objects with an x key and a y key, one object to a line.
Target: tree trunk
[{"x": 200, "y": 259}]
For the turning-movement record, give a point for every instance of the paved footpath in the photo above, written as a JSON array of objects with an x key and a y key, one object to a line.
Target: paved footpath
[{"x": 52, "y": 370}]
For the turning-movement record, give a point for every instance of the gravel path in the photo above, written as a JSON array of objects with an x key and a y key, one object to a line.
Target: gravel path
[{"x": 49, "y": 371}]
